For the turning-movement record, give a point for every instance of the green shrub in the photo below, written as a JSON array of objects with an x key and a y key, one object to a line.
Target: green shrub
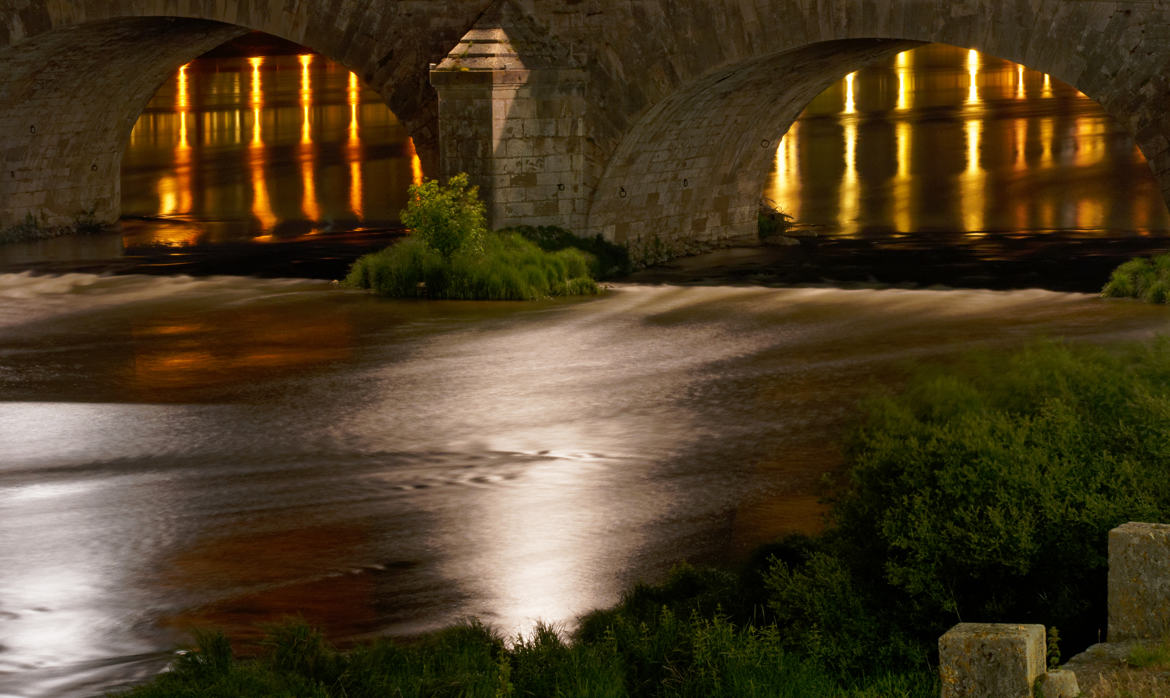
[
  {"x": 449, "y": 218},
  {"x": 451, "y": 256},
  {"x": 1144, "y": 278},
  {"x": 985, "y": 492}
]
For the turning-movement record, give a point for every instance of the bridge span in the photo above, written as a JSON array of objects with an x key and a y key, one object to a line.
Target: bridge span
[{"x": 651, "y": 122}]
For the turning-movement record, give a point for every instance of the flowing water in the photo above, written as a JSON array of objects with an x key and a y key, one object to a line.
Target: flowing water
[
  {"x": 186, "y": 452},
  {"x": 182, "y": 452}
]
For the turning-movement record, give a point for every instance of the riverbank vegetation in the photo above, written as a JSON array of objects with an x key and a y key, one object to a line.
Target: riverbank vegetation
[
  {"x": 982, "y": 491},
  {"x": 1146, "y": 278},
  {"x": 452, "y": 255}
]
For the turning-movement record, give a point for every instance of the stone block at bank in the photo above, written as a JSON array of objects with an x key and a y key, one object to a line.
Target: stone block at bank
[
  {"x": 1139, "y": 582},
  {"x": 991, "y": 659}
]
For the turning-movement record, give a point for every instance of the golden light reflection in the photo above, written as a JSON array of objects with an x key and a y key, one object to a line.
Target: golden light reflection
[
  {"x": 850, "y": 106},
  {"x": 1046, "y": 88},
  {"x": 787, "y": 173},
  {"x": 309, "y": 204},
  {"x": 972, "y": 76},
  {"x": 1090, "y": 141},
  {"x": 1047, "y": 136},
  {"x": 257, "y": 157},
  {"x": 175, "y": 192},
  {"x": 182, "y": 99},
  {"x": 170, "y": 355},
  {"x": 306, "y": 99},
  {"x": 353, "y": 147},
  {"x": 416, "y": 170},
  {"x": 1020, "y": 94},
  {"x": 972, "y": 182},
  {"x": 849, "y": 193},
  {"x": 904, "y": 203},
  {"x": 1020, "y": 144}
]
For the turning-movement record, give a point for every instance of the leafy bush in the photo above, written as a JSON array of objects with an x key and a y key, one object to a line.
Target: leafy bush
[
  {"x": 451, "y": 256},
  {"x": 1144, "y": 278},
  {"x": 448, "y": 218},
  {"x": 985, "y": 493}
]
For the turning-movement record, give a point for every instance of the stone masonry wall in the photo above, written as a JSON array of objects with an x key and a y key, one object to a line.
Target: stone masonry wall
[
  {"x": 648, "y": 121},
  {"x": 81, "y": 72}
]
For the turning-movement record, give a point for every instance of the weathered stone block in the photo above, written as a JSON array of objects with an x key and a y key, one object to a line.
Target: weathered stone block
[
  {"x": 1139, "y": 581},
  {"x": 991, "y": 659},
  {"x": 1059, "y": 683}
]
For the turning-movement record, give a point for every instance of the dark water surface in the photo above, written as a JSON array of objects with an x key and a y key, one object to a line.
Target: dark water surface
[
  {"x": 180, "y": 452},
  {"x": 186, "y": 452}
]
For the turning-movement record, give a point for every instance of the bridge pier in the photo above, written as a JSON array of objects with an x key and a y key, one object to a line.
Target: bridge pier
[{"x": 511, "y": 115}]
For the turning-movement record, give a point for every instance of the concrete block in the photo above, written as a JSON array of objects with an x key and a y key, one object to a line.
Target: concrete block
[
  {"x": 991, "y": 659},
  {"x": 1139, "y": 582}
]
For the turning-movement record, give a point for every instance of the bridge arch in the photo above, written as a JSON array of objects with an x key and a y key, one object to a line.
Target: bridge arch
[
  {"x": 686, "y": 166},
  {"x": 75, "y": 76}
]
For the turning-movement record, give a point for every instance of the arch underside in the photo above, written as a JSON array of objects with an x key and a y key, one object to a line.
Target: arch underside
[
  {"x": 75, "y": 76},
  {"x": 692, "y": 170},
  {"x": 692, "y": 148}
]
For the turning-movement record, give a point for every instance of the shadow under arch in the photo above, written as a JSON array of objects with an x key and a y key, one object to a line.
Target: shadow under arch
[
  {"x": 689, "y": 171},
  {"x": 73, "y": 80}
]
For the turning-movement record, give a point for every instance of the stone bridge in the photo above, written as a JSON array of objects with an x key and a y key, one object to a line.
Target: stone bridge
[{"x": 651, "y": 122}]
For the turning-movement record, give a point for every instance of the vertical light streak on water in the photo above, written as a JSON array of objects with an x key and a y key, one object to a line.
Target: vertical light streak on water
[
  {"x": 850, "y": 105},
  {"x": 904, "y": 202},
  {"x": 353, "y": 147},
  {"x": 257, "y": 156},
  {"x": 973, "y": 77},
  {"x": 787, "y": 168},
  {"x": 903, "y": 68},
  {"x": 849, "y": 195},
  {"x": 972, "y": 181},
  {"x": 309, "y": 204},
  {"x": 416, "y": 170}
]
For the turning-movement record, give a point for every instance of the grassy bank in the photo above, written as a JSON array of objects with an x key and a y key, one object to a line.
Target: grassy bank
[{"x": 982, "y": 491}]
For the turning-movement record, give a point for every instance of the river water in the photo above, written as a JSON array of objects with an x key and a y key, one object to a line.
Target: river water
[
  {"x": 187, "y": 452},
  {"x": 182, "y": 451}
]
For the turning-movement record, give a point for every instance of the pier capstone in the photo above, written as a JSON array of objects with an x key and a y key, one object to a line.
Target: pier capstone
[
  {"x": 991, "y": 659},
  {"x": 1139, "y": 582}
]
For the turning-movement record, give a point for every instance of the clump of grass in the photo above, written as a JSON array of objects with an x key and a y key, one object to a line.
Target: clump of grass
[
  {"x": 610, "y": 259},
  {"x": 1150, "y": 655},
  {"x": 508, "y": 268},
  {"x": 1144, "y": 278}
]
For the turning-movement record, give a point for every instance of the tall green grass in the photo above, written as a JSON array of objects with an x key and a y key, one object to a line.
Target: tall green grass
[
  {"x": 692, "y": 657},
  {"x": 1144, "y": 278},
  {"x": 609, "y": 260},
  {"x": 506, "y": 267}
]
